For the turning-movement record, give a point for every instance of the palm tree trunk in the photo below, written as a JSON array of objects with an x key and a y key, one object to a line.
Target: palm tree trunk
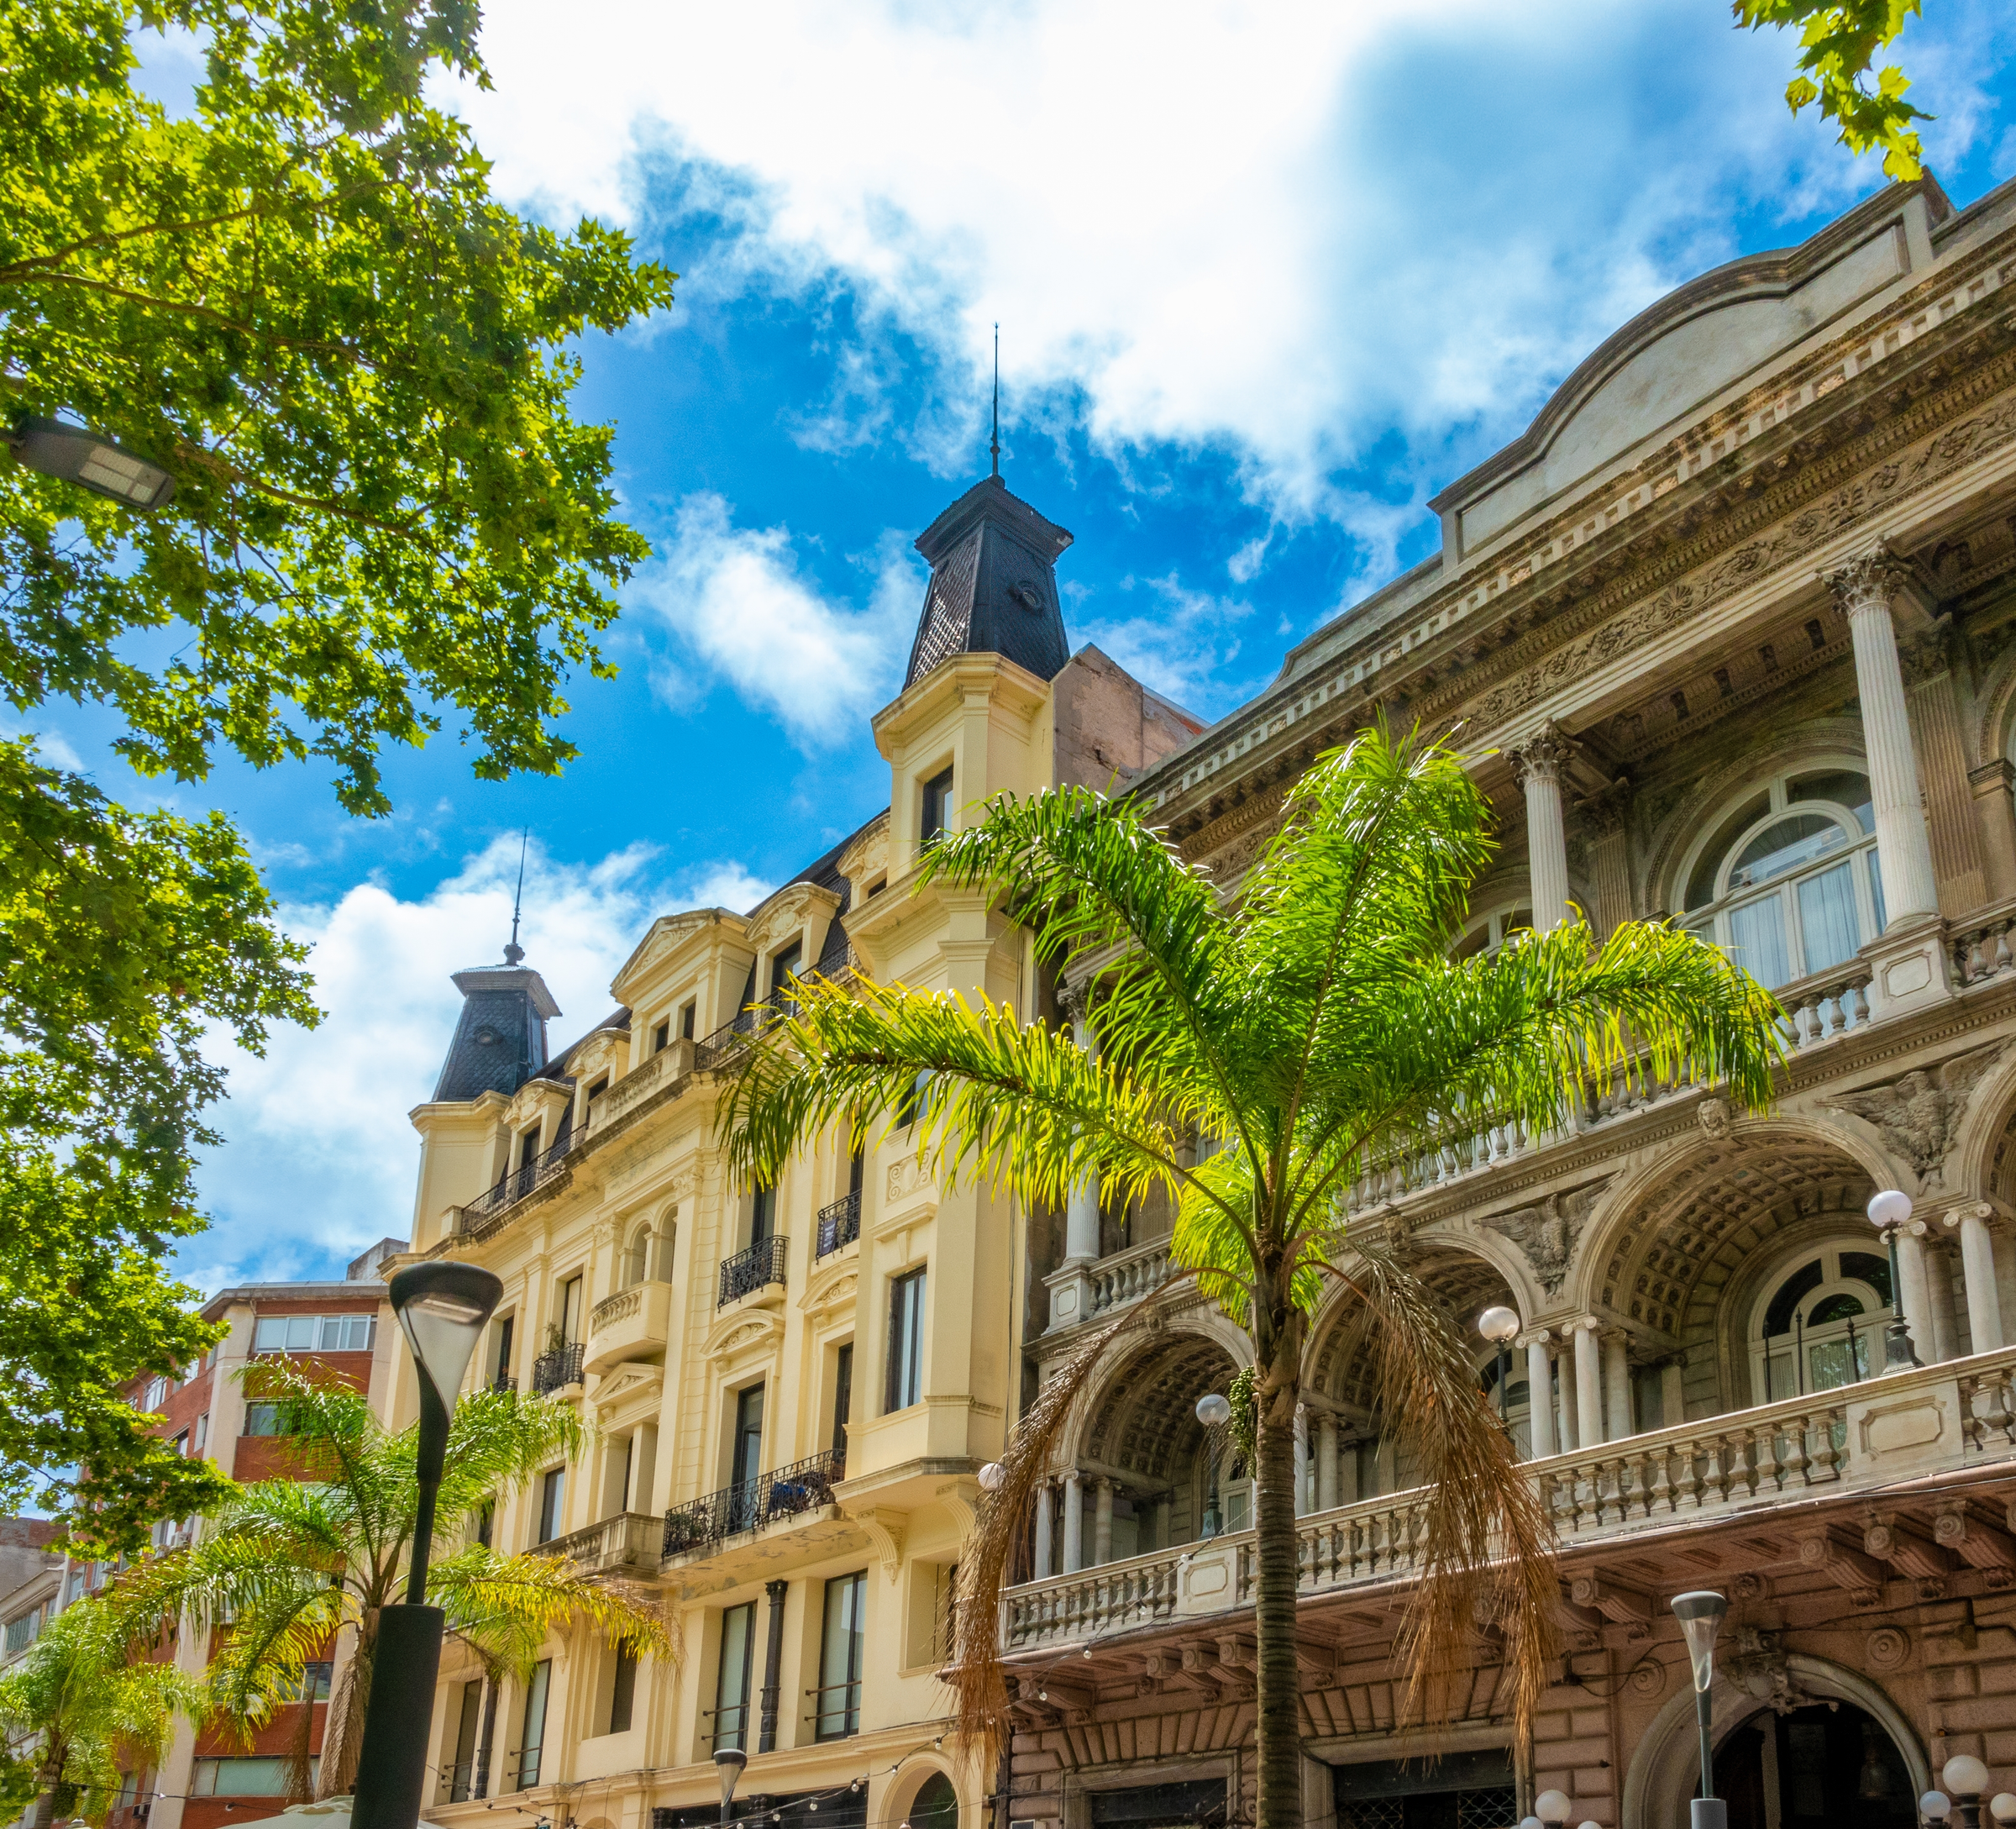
[
  {"x": 1278, "y": 1726},
  {"x": 343, "y": 1731}
]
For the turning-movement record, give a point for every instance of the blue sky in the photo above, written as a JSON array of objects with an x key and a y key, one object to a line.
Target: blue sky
[{"x": 1267, "y": 278}]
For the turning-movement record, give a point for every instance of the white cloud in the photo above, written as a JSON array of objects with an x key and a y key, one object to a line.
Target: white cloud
[
  {"x": 320, "y": 1158},
  {"x": 744, "y": 611},
  {"x": 1287, "y": 229}
]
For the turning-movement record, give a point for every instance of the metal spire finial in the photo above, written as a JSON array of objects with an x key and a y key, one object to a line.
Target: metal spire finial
[
  {"x": 513, "y": 952},
  {"x": 995, "y": 448}
]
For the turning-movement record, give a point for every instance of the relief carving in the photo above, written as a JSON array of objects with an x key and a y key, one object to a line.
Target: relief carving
[
  {"x": 1549, "y": 1233},
  {"x": 1918, "y": 1113}
]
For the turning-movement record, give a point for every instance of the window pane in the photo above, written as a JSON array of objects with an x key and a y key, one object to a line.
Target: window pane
[
  {"x": 1830, "y": 1366},
  {"x": 1756, "y": 938},
  {"x": 840, "y": 1657},
  {"x": 533, "y": 1738},
  {"x": 1873, "y": 865},
  {"x": 270, "y": 1337},
  {"x": 300, "y": 1332},
  {"x": 1827, "y": 918},
  {"x": 1786, "y": 846},
  {"x": 732, "y": 1689},
  {"x": 1844, "y": 789}
]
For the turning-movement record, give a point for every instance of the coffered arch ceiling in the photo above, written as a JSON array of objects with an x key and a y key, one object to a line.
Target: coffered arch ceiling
[
  {"x": 1462, "y": 1284},
  {"x": 1144, "y": 1419},
  {"x": 1673, "y": 1252}
]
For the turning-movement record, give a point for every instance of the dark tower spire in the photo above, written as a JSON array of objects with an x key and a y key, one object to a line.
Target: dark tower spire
[
  {"x": 513, "y": 952},
  {"x": 994, "y": 449}
]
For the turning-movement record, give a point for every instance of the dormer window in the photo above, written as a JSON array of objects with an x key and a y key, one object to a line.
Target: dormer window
[
  {"x": 528, "y": 1147},
  {"x": 689, "y": 1013},
  {"x": 783, "y": 968},
  {"x": 595, "y": 1092},
  {"x": 661, "y": 1037},
  {"x": 937, "y": 807}
]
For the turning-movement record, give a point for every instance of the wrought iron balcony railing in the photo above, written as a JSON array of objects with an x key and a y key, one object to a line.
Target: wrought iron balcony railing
[
  {"x": 732, "y": 1036},
  {"x": 478, "y": 1216},
  {"x": 555, "y": 1370},
  {"x": 804, "y": 1486},
  {"x": 504, "y": 1381},
  {"x": 839, "y": 1224},
  {"x": 748, "y": 1271}
]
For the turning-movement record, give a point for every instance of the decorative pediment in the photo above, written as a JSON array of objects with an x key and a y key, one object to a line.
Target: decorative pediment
[
  {"x": 744, "y": 1331},
  {"x": 831, "y": 1290},
  {"x": 866, "y": 860},
  {"x": 668, "y": 935},
  {"x": 626, "y": 1389},
  {"x": 797, "y": 910}
]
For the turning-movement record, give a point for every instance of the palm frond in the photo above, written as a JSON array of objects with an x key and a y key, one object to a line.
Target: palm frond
[{"x": 507, "y": 1605}]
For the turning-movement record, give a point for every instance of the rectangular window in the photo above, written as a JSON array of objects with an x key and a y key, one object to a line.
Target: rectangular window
[
  {"x": 689, "y": 1016},
  {"x": 553, "y": 1496},
  {"x": 783, "y": 968},
  {"x": 856, "y": 1171},
  {"x": 262, "y": 1419},
  {"x": 937, "y": 807},
  {"x": 533, "y": 1740},
  {"x": 843, "y": 1396},
  {"x": 840, "y": 1657},
  {"x": 623, "y": 1691},
  {"x": 23, "y": 1632},
  {"x": 312, "y": 1685},
  {"x": 661, "y": 1037},
  {"x": 595, "y": 1092},
  {"x": 731, "y": 1687},
  {"x": 763, "y": 1215},
  {"x": 906, "y": 1341},
  {"x": 570, "y": 1310},
  {"x": 500, "y": 1368},
  {"x": 315, "y": 1333},
  {"x": 203, "y": 1436},
  {"x": 746, "y": 1454},
  {"x": 461, "y": 1776},
  {"x": 241, "y": 1777},
  {"x": 528, "y": 1147},
  {"x": 486, "y": 1524},
  {"x": 347, "y": 1333}
]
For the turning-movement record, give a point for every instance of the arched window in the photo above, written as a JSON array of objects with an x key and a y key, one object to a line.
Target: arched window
[
  {"x": 1487, "y": 933},
  {"x": 1819, "y": 1322},
  {"x": 1787, "y": 883},
  {"x": 936, "y": 1805},
  {"x": 667, "y": 1238},
  {"x": 637, "y": 1255}
]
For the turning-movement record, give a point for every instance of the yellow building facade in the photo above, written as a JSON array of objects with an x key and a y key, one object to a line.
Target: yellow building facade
[{"x": 791, "y": 1389}]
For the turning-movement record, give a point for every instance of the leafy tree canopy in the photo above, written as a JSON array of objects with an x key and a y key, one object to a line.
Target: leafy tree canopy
[
  {"x": 298, "y": 298},
  {"x": 1839, "y": 40}
]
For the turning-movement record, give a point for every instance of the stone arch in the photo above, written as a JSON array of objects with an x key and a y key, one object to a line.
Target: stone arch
[
  {"x": 907, "y": 1785},
  {"x": 1664, "y": 1768},
  {"x": 1678, "y": 830},
  {"x": 1980, "y": 1162},
  {"x": 1673, "y": 1244},
  {"x": 1988, "y": 737}
]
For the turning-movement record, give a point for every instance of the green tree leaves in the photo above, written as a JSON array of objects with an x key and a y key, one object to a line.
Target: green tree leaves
[{"x": 1838, "y": 44}]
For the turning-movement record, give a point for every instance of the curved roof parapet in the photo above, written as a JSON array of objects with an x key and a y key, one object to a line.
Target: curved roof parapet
[{"x": 1689, "y": 346}]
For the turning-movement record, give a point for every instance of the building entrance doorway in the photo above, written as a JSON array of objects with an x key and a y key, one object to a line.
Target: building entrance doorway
[{"x": 1828, "y": 1766}]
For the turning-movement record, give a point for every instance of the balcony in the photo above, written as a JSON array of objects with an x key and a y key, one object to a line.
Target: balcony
[
  {"x": 758, "y": 1267},
  {"x": 839, "y": 1224},
  {"x": 1910, "y": 1426},
  {"x": 626, "y": 1544},
  {"x": 729, "y": 1040},
  {"x": 807, "y": 1485},
  {"x": 632, "y": 1324},
  {"x": 557, "y": 1370},
  {"x": 485, "y": 1213}
]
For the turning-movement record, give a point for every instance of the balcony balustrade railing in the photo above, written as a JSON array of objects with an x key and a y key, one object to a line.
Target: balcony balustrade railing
[
  {"x": 1128, "y": 1276},
  {"x": 620, "y": 1307},
  {"x": 483, "y": 1212},
  {"x": 734, "y": 1035},
  {"x": 626, "y": 1544},
  {"x": 557, "y": 1370},
  {"x": 804, "y": 1486},
  {"x": 839, "y": 1224},
  {"x": 504, "y": 1381},
  {"x": 1798, "y": 1448},
  {"x": 748, "y": 1271}
]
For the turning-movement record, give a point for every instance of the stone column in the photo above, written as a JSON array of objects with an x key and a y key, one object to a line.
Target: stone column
[
  {"x": 1387, "y": 1464},
  {"x": 1326, "y": 1462},
  {"x": 1074, "y": 1524},
  {"x": 1617, "y": 1382},
  {"x": 1995, "y": 823},
  {"x": 1610, "y": 857},
  {"x": 1978, "y": 1269},
  {"x": 1926, "y": 661},
  {"x": 1589, "y": 1383},
  {"x": 1081, "y": 1212},
  {"x": 1939, "y": 1285},
  {"x": 1865, "y": 589},
  {"x": 1673, "y": 1392},
  {"x": 1536, "y": 764},
  {"x": 1348, "y": 1477},
  {"x": 1102, "y": 1521},
  {"x": 1539, "y": 1393},
  {"x": 1916, "y": 1295},
  {"x": 1044, "y": 1504},
  {"x": 1162, "y": 1522},
  {"x": 1302, "y": 1460}
]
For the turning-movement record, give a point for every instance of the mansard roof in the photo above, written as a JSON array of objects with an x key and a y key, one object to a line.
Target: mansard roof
[{"x": 992, "y": 587}]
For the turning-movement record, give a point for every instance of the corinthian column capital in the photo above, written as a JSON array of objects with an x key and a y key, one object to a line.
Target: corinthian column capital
[
  {"x": 1542, "y": 756},
  {"x": 1874, "y": 578}
]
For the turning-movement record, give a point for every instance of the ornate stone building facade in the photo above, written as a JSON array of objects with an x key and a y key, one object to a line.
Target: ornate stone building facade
[
  {"x": 1731, "y": 629},
  {"x": 790, "y": 1389}
]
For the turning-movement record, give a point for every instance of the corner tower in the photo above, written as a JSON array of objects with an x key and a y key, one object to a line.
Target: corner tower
[
  {"x": 993, "y": 586},
  {"x": 500, "y": 1040}
]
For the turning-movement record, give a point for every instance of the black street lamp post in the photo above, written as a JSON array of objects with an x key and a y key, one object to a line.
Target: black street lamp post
[
  {"x": 1499, "y": 1325},
  {"x": 1887, "y": 1212},
  {"x": 442, "y": 1308},
  {"x": 1700, "y": 1615}
]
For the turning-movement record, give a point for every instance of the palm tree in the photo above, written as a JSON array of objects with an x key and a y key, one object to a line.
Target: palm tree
[
  {"x": 1257, "y": 1052},
  {"x": 87, "y": 1702},
  {"x": 286, "y": 1563}
]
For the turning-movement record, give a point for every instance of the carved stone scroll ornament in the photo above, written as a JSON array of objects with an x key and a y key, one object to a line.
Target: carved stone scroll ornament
[
  {"x": 1761, "y": 1670},
  {"x": 1549, "y": 1233},
  {"x": 1876, "y": 576},
  {"x": 1544, "y": 754},
  {"x": 1920, "y": 1113}
]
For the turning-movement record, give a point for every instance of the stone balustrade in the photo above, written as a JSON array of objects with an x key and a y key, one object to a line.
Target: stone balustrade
[
  {"x": 1936, "y": 1419},
  {"x": 1128, "y": 1276},
  {"x": 1825, "y": 1006}
]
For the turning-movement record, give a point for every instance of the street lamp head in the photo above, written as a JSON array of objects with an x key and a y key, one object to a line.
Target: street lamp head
[
  {"x": 731, "y": 1761},
  {"x": 1891, "y": 1207},
  {"x": 993, "y": 1477},
  {"x": 2001, "y": 1806},
  {"x": 441, "y": 1307},
  {"x": 1700, "y": 1615},
  {"x": 89, "y": 459},
  {"x": 1531, "y": 1822},
  {"x": 1552, "y": 1808},
  {"x": 1498, "y": 1325},
  {"x": 1964, "y": 1775},
  {"x": 1935, "y": 1806},
  {"x": 1214, "y": 1410}
]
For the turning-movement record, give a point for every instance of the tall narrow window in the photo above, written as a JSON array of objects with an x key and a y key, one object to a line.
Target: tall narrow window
[
  {"x": 906, "y": 1341},
  {"x": 661, "y": 1037},
  {"x": 689, "y": 1015},
  {"x": 465, "y": 1769},
  {"x": 528, "y": 1148},
  {"x": 622, "y": 1690},
  {"x": 856, "y": 1171},
  {"x": 486, "y": 1524},
  {"x": 763, "y": 1214},
  {"x": 747, "y": 1461},
  {"x": 595, "y": 1092},
  {"x": 840, "y": 1657},
  {"x": 783, "y": 968},
  {"x": 533, "y": 1739},
  {"x": 552, "y": 1498},
  {"x": 843, "y": 1395},
  {"x": 500, "y": 1368},
  {"x": 731, "y": 1687},
  {"x": 570, "y": 1310},
  {"x": 937, "y": 807}
]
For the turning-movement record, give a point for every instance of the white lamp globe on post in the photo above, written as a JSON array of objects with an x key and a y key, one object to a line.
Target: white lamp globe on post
[
  {"x": 1498, "y": 1325},
  {"x": 1935, "y": 1806},
  {"x": 1213, "y": 1411},
  {"x": 1700, "y": 1615},
  {"x": 1552, "y": 1808},
  {"x": 1888, "y": 1213},
  {"x": 2001, "y": 1806},
  {"x": 442, "y": 1308},
  {"x": 1965, "y": 1778},
  {"x": 992, "y": 1477}
]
